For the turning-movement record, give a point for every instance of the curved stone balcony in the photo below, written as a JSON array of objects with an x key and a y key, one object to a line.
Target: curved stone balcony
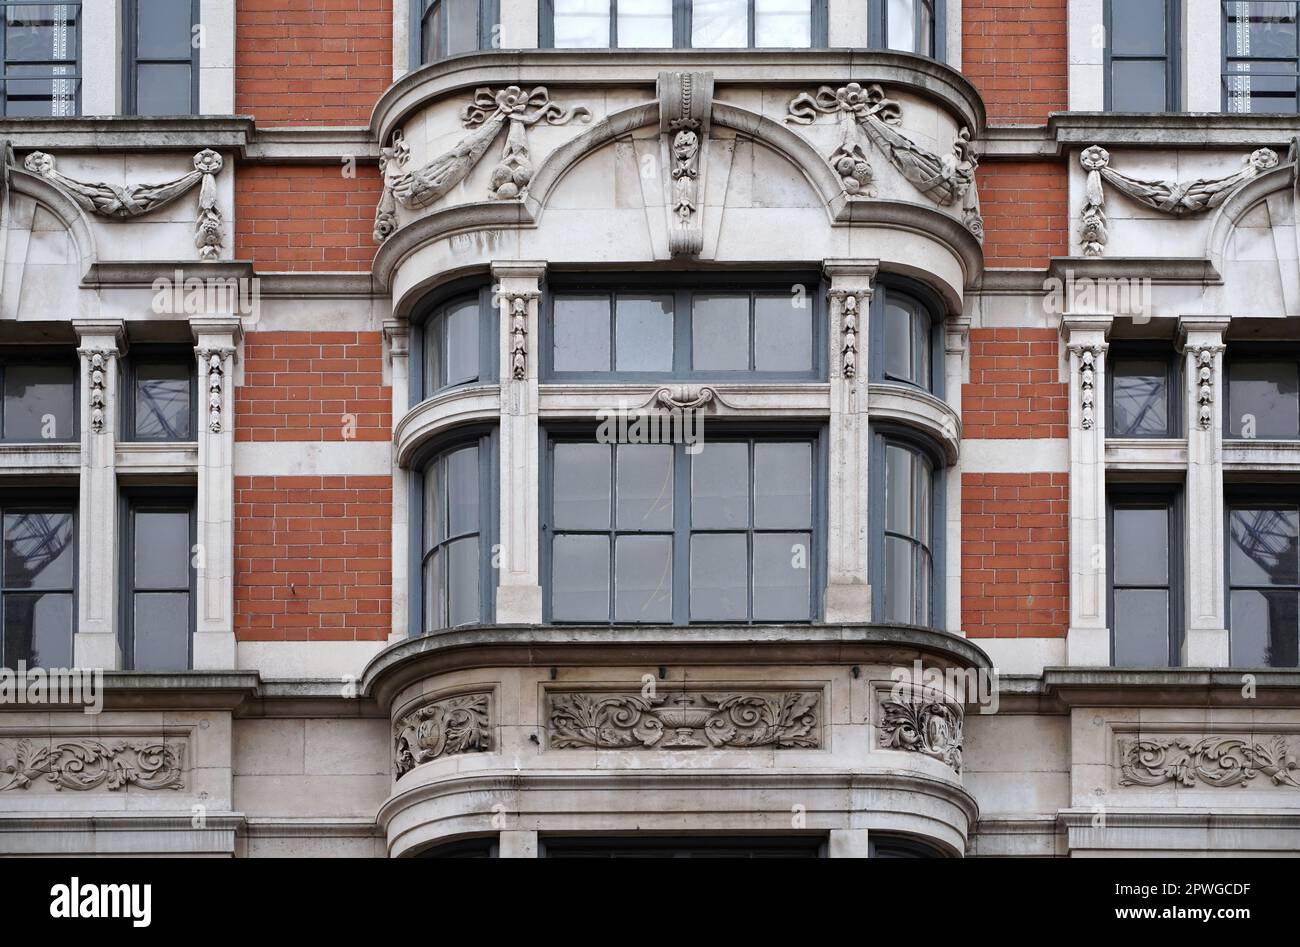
[{"x": 754, "y": 729}]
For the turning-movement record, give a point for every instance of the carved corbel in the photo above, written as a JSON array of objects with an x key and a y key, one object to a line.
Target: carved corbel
[{"x": 685, "y": 107}]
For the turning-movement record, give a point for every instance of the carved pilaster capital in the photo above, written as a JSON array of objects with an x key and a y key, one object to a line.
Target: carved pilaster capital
[
  {"x": 397, "y": 335},
  {"x": 857, "y": 276}
]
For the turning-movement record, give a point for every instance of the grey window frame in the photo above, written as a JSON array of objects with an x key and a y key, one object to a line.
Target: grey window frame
[
  {"x": 75, "y": 77},
  {"x": 1172, "y": 57},
  {"x": 1149, "y": 496},
  {"x": 684, "y": 846},
  {"x": 1259, "y": 497},
  {"x": 883, "y": 435},
  {"x": 154, "y": 355},
  {"x": 881, "y": 845},
  {"x": 58, "y": 500},
  {"x": 154, "y": 499},
  {"x": 485, "y": 439},
  {"x": 1225, "y": 75},
  {"x": 433, "y": 308},
  {"x": 682, "y": 286},
  {"x": 878, "y": 28},
  {"x": 812, "y": 432},
  {"x": 132, "y": 60},
  {"x": 919, "y": 297},
  {"x": 1253, "y": 352},
  {"x": 21, "y": 355},
  {"x": 818, "y": 29},
  {"x": 1147, "y": 351},
  {"x": 489, "y": 16}
]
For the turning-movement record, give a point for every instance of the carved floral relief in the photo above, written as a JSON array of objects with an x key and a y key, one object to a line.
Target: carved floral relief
[
  {"x": 445, "y": 727},
  {"x": 85, "y": 764},
  {"x": 1212, "y": 761}
]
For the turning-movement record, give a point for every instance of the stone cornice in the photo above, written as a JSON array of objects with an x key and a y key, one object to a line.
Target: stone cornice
[
  {"x": 129, "y": 133},
  {"x": 1172, "y": 687},
  {"x": 1066, "y": 131}
]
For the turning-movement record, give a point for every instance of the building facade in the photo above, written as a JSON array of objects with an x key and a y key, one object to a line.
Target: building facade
[{"x": 545, "y": 428}]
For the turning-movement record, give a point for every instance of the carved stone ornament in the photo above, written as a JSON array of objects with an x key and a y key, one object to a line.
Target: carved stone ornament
[
  {"x": 214, "y": 365},
  {"x": 1088, "y": 356},
  {"x": 92, "y": 764},
  {"x": 516, "y": 307},
  {"x": 946, "y": 180},
  {"x": 685, "y": 398},
  {"x": 442, "y": 728},
  {"x": 1204, "y": 356},
  {"x": 1212, "y": 761},
  {"x": 852, "y": 306},
  {"x": 486, "y": 115},
  {"x": 926, "y": 724},
  {"x": 1168, "y": 197},
  {"x": 682, "y": 721},
  {"x": 685, "y": 106},
  {"x": 98, "y": 372},
  {"x": 135, "y": 200}
]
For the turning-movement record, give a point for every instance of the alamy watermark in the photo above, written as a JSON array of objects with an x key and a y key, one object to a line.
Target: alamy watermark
[
  {"x": 626, "y": 424},
  {"x": 179, "y": 294},
  {"x": 1125, "y": 296},
  {"x": 968, "y": 686},
  {"x": 57, "y": 686}
]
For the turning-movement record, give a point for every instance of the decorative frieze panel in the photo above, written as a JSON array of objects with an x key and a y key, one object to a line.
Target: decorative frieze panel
[
  {"x": 923, "y": 722},
  {"x": 86, "y": 764},
  {"x": 1213, "y": 761},
  {"x": 684, "y": 720},
  {"x": 443, "y": 727}
]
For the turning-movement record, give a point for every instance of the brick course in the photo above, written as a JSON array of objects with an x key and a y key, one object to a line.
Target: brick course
[
  {"x": 1026, "y": 212},
  {"x": 1015, "y": 52},
  {"x": 1014, "y": 389}
]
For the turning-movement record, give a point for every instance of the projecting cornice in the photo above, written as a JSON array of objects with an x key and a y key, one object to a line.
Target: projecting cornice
[{"x": 1067, "y": 131}]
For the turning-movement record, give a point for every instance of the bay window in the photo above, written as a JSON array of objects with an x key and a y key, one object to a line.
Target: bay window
[
  {"x": 456, "y": 502},
  {"x": 443, "y": 28},
  {"x": 903, "y": 340},
  {"x": 455, "y": 341},
  {"x": 903, "y": 557},
  {"x": 910, "y": 26},
  {"x": 698, "y": 24}
]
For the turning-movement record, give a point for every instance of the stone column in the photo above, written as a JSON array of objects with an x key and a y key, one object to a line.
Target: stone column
[
  {"x": 956, "y": 341},
  {"x": 519, "y": 590},
  {"x": 1205, "y": 643},
  {"x": 848, "y": 585},
  {"x": 97, "y": 644},
  {"x": 217, "y": 338},
  {"x": 1088, "y": 639},
  {"x": 397, "y": 335}
]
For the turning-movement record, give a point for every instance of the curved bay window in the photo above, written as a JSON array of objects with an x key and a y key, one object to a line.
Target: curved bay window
[
  {"x": 443, "y": 28},
  {"x": 910, "y": 26},
  {"x": 904, "y": 338},
  {"x": 456, "y": 518},
  {"x": 907, "y": 508},
  {"x": 455, "y": 342},
  {"x": 698, "y": 24}
]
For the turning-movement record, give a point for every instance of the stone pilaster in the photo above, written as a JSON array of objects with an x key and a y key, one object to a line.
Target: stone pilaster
[
  {"x": 397, "y": 336},
  {"x": 1088, "y": 638},
  {"x": 97, "y": 644},
  {"x": 519, "y": 590},
  {"x": 216, "y": 341},
  {"x": 848, "y": 590},
  {"x": 956, "y": 343},
  {"x": 1205, "y": 643}
]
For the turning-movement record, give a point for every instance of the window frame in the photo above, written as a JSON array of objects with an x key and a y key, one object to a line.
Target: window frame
[
  {"x": 1251, "y": 496},
  {"x": 1228, "y": 58},
  {"x": 927, "y": 301},
  {"x": 489, "y": 16},
  {"x": 485, "y": 438},
  {"x": 681, "y": 286},
  {"x": 77, "y": 61},
  {"x": 818, "y": 27},
  {"x": 153, "y": 499},
  {"x": 432, "y": 308},
  {"x": 60, "y": 499},
  {"x": 1172, "y": 57},
  {"x": 813, "y": 845},
  {"x": 885, "y": 434},
  {"x": 878, "y": 28},
  {"x": 1147, "y": 351},
  {"x": 1254, "y": 352},
  {"x": 813, "y": 432},
  {"x": 154, "y": 354},
  {"x": 131, "y": 60},
  {"x": 43, "y": 355},
  {"x": 1148, "y": 496}
]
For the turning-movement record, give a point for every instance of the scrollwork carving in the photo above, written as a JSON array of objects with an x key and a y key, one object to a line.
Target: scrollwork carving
[
  {"x": 925, "y": 724},
  {"x": 442, "y": 728},
  {"x": 1213, "y": 761},
  {"x": 92, "y": 764}
]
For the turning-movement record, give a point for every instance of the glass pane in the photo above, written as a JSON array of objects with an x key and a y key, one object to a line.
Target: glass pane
[
  {"x": 162, "y": 631},
  {"x": 782, "y": 566},
  {"x": 462, "y": 491},
  {"x": 41, "y": 32},
  {"x": 1138, "y": 85},
  {"x": 644, "y": 333},
  {"x": 38, "y": 629},
  {"x": 1141, "y": 545},
  {"x": 782, "y": 335},
  {"x": 720, "y": 486},
  {"x": 580, "y": 578},
  {"x": 1137, "y": 27},
  {"x": 900, "y": 17},
  {"x": 645, "y": 23},
  {"x": 1141, "y": 628},
  {"x": 461, "y": 25},
  {"x": 1262, "y": 547},
  {"x": 163, "y": 88},
  {"x": 644, "y": 498},
  {"x": 924, "y": 504},
  {"x": 925, "y": 27},
  {"x": 1264, "y": 629},
  {"x": 900, "y": 359},
  {"x": 924, "y": 576},
  {"x": 581, "y": 325},
  {"x": 39, "y": 404},
  {"x": 1261, "y": 28},
  {"x": 1264, "y": 399},
  {"x": 162, "y": 401},
  {"x": 900, "y": 501},
  {"x": 1140, "y": 403},
  {"x": 719, "y": 578},
  {"x": 462, "y": 348},
  {"x": 463, "y": 603},
  {"x": 431, "y": 35},
  {"x": 719, "y": 23},
  {"x": 782, "y": 486},
  {"x": 720, "y": 333},
  {"x": 41, "y": 96},
  {"x": 643, "y": 579},
  {"x": 581, "y": 24},
  {"x": 38, "y": 550},
  {"x": 900, "y": 581},
  {"x": 1262, "y": 87},
  {"x": 581, "y": 486},
  {"x": 162, "y": 549},
  {"x": 782, "y": 23},
  {"x": 435, "y": 503},
  {"x": 435, "y": 599},
  {"x": 163, "y": 29}
]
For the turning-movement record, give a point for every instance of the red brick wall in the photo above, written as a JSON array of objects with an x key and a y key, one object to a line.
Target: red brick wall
[
  {"x": 306, "y": 217},
  {"x": 313, "y": 558},
  {"x": 1015, "y": 53},
  {"x": 312, "y": 62},
  {"x": 299, "y": 386},
  {"x": 1015, "y": 564},
  {"x": 1026, "y": 212},
  {"x": 1014, "y": 389}
]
